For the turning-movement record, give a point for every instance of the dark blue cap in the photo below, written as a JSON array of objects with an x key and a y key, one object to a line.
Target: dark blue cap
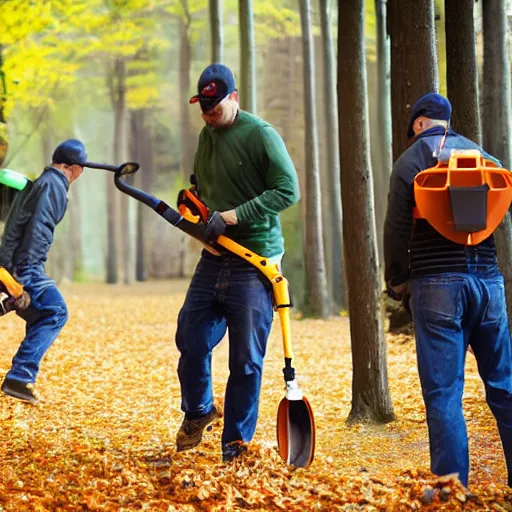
[
  {"x": 215, "y": 83},
  {"x": 70, "y": 152},
  {"x": 431, "y": 105}
]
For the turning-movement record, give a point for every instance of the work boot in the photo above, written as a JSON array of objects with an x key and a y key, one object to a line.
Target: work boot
[
  {"x": 19, "y": 390},
  {"x": 232, "y": 450},
  {"x": 190, "y": 433}
]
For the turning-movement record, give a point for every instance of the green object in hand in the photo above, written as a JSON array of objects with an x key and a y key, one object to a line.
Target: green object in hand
[{"x": 13, "y": 179}]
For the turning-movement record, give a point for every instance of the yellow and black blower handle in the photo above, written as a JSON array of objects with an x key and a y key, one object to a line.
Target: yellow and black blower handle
[
  {"x": 194, "y": 210},
  {"x": 278, "y": 281}
]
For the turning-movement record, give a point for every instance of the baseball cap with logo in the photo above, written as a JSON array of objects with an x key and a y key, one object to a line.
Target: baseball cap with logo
[{"x": 215, "y": 83}]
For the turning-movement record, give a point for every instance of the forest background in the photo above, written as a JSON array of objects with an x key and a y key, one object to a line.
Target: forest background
[{"x": 118, "y": 75}]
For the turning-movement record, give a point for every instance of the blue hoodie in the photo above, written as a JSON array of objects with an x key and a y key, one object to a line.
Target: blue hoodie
[{"x": 28, "y": 233}]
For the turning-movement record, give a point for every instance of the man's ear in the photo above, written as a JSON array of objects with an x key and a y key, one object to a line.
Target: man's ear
[
  {"x": 234, "y": 96},
  {"x": 417, "y": 126}
]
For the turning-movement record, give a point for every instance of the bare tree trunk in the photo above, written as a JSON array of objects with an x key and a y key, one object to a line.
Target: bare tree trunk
[
  {"x": 370, "y": 394},
  {"x": 216, "y": 29},
  {"x": 142, "y": 153},
  {"x": 136, "y": 142},
  {"x": 53, "y": 264},
  {"x": 496, "y": 118},
  {"x": 339, "y": 291},
  {"x": 496, "y": 80},
  {"x": 462, "y": 75},
  {"x": 187, "y": 139},
  {"x": 384, "y": 135},
  {"x": 317, "y": 303},
  {"x": 413, "y": 61},
  {"x": 75, "y": 232},
  {"x": 4, "y": 143},
  {"x": 247, "y": 57},
  {"x": 117, "y": 88}
]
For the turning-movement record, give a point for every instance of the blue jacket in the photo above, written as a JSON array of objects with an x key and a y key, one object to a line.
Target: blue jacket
[
  {"x": 413, "y": 249},
  {"x": 28, "y": 233}
]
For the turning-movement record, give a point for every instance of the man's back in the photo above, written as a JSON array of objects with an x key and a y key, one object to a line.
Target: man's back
[{"x": 430, "y": 252}]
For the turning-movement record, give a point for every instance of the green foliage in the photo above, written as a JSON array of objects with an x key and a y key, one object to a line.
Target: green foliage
[{"x": 272, "y": 20}]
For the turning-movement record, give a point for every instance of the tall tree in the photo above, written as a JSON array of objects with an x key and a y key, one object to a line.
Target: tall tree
[
  {"x": 75, "y": 235},
  {"x": 216, "y": 33},
  {"x": 370, "y": 394},
  {"x": 413, "y": 61},
  {"x": 187, "y": 140},
  {"x": 462, "y": 70},
  {"x": 336, "y": 272},
  {"x": 317, "y": 301},
  {"x": 116, "y": 77},
  {"x": 141, "y": 151},
  {"x": 496, "y": 81},
  {"x": 4, "y": 144},
  {"x": 496, "y": 117},
  {"x": 248, "y": 88},
  {"x": 382, "y": 170}
]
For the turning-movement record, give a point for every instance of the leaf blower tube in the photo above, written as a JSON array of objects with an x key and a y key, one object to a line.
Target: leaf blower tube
[{"x": 162, "y": 208}]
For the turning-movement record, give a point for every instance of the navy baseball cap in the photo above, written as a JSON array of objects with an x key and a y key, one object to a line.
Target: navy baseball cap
[
  {"x": 431, "y": 105},
  {"x": 215, "y": 83},
  {"x": 70, "y": 152}
]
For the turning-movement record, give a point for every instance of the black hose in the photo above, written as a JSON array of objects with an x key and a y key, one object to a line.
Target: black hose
[{"x": 163, "y": 209}]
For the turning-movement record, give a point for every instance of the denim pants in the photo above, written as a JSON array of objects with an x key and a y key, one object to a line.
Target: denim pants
[
  {"x": 450, "y": 312},
  {"x": 45, "y": 318},
  {"x": 226, "y": 293}
]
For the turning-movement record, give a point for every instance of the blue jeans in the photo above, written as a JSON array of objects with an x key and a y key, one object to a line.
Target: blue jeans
[
  {"x": 226, "y": 293},
  {"x": 450, "y": 312},
  {"x": 45, "y": 317}
]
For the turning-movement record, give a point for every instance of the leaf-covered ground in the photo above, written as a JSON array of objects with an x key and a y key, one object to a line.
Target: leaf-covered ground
[{"x": 102, "y": 436}]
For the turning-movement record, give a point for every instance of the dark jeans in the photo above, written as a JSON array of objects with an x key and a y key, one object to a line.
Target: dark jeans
[
  {"x": 225, "y": 293},
  {"x": 45, "y": 318},
  {"x": 452, "y": 311}
]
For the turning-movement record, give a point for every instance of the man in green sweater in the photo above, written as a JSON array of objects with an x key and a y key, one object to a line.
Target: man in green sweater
[{"x": 245, "y": 177}]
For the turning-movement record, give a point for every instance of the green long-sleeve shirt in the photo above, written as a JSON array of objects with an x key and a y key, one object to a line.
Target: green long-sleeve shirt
[{"x": 246, "y": 167}]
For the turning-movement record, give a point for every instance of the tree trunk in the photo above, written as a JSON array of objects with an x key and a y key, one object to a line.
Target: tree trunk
[
  {"x": 462, "y": 75},
  {"x": 337, "y": 277},
  {"x": 75, "y": 235},
  {"x": 187, "y": 139},
  {"x": 384, "y": 136},
  {"x": 216, "y": 29},
  {"x": 54, "y": 266},
  {"x": 117, "y": 89},
  {"x": 247, "y": 57},
  {"x": 142, "y": 153},
  {"x": 317, "y": 302},
  {"x": 370, "y": 394},
  {"x": 3, "y": 87},
  {"x": 496, "y": 118},
  {"x": 413, "y": 61},
  {"x": 4, "y": 143}
]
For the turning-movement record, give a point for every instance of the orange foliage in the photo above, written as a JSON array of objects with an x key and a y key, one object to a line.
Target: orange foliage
[{"x": 102, "y": 436}]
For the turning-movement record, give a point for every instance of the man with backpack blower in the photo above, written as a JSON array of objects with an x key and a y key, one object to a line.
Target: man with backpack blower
[
  {"x": 457, "y": 295},
  {"x": 26, "y": 241}
]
